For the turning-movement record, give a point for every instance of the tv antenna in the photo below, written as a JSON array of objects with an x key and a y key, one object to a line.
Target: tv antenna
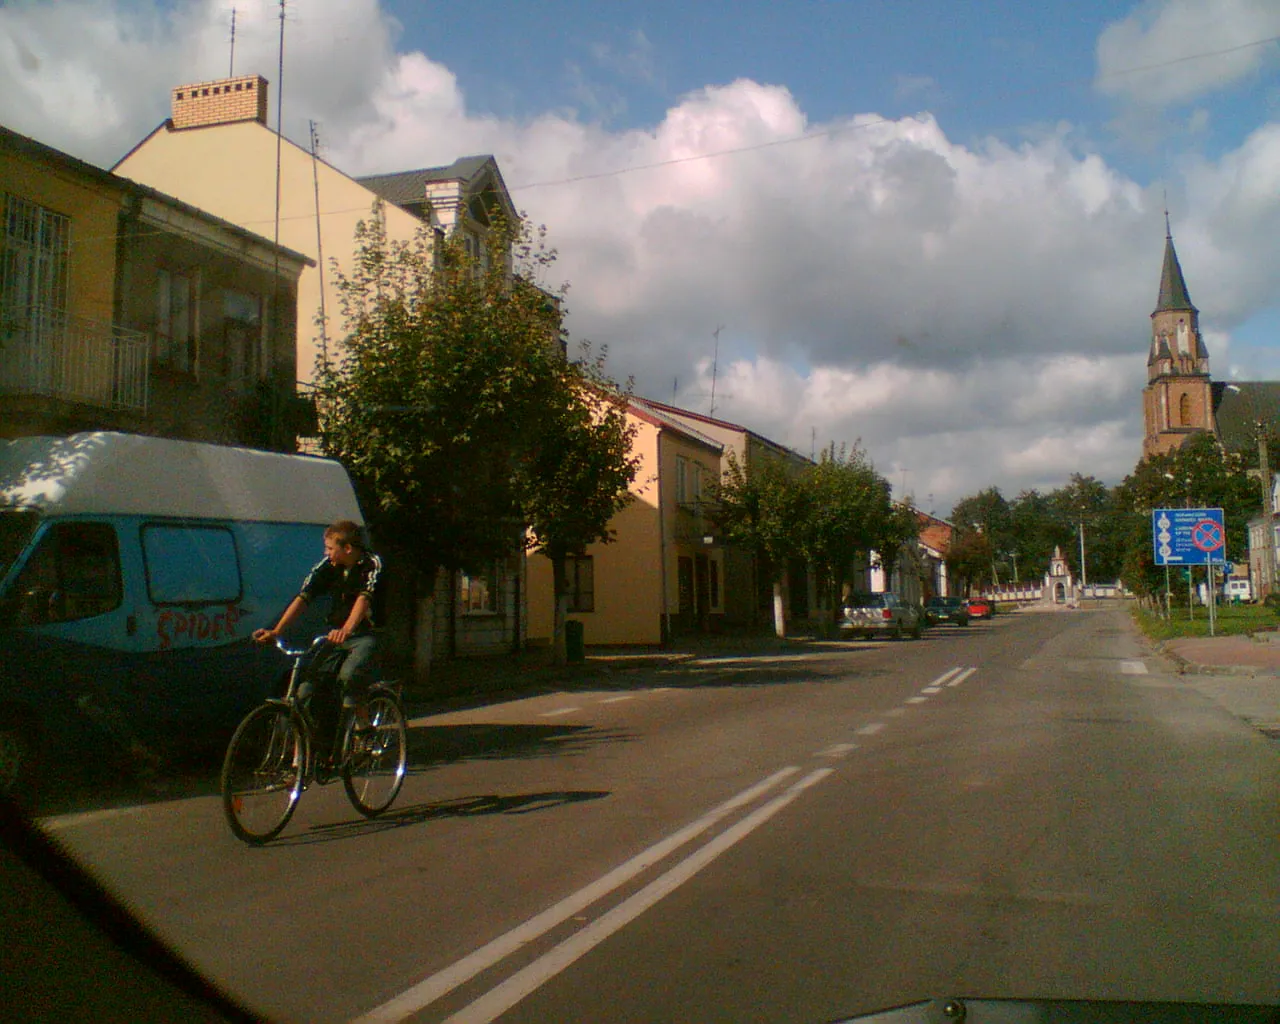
[
  {"x": 715, "y": 360},
  {"x": 231, "y": 71}
]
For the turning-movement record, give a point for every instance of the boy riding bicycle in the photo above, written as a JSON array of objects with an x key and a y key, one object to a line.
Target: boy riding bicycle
[{"x": 349, "y": 575}]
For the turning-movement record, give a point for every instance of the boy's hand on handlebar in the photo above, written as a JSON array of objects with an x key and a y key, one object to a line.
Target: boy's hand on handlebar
[
  {"x": 263, "y": 636},
  {"x": 337, "y": 636}
]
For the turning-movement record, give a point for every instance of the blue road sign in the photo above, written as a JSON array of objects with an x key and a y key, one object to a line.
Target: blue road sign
[{"x": 1189, "y": 536}]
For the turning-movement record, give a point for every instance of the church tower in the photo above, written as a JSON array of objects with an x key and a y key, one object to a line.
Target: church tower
[{"x": 1177, "y": 401}]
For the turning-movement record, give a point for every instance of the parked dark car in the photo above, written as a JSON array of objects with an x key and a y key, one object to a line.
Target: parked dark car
[
  {"x": 980, "y": 608},
  {"x": 946, "y": 609}
]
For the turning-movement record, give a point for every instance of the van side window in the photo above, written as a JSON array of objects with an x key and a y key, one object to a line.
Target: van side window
[
  {"x": 191, "y": 564},
  {"x": 73, "y": 574}
]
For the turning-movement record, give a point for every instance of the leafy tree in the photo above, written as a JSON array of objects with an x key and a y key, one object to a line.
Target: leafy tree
[
  {"x": 764, "y": 510},
  {"x": 452, "y": 405},
  {"x": 1200, "y": 474},
  {"x": 982, "y": 532},
  {"x": 575, "y": 479},
  {"x": 848, "y": 513}
]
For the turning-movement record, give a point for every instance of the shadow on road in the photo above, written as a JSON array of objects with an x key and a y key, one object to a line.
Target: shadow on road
[
  {"x": 458, "y": 807},
  {"x": 434, "y": 745}
]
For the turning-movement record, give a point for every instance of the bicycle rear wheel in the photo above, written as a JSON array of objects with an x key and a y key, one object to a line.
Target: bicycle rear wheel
[
  {"x": 262, "y": 774},
  {"x": 374, "y": 761}
]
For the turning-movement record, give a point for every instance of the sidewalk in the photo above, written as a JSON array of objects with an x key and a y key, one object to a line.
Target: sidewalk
[{"x": 1239, "y": 672}]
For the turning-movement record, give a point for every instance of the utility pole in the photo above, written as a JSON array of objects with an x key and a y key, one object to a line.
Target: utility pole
[
  {"x": 1084, "y": 573},
  {"x": 1267, "y": 582}
]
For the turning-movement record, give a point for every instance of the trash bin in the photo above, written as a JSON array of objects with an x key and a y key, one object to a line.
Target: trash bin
[{"x": 574, "y": 648}]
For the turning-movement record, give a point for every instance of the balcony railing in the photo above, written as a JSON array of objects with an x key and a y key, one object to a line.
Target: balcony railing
[{"x": 53, "y": 355}]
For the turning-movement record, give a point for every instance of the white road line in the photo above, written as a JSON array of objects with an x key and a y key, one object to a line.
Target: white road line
[
  {"x": 660, "y": 689},
  {"x": 871, "y": 730},
  {"x": 1133, "y": 668},
  {"x": 962, "y": 676},
  {"x": 498, "y": 1000},
  {"x": 932, "y": 689},
  {"x": 837, "y": 750},
  {"x": 895, "y": 712},
  {"x": 432, "y": 988},
  {"x": 945, "y": 676},
  {"x": 616, "y": 700},
  {"x": 916, "y": 700},
  {"x": 557, "y": 711},
  {"x": 85, "y": 817}
]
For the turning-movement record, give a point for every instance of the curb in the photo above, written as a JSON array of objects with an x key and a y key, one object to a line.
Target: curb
[{"x": 1186, "y": 667}]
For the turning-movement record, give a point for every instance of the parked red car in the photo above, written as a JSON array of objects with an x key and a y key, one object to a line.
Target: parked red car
[{"x": 980, "y": 608}]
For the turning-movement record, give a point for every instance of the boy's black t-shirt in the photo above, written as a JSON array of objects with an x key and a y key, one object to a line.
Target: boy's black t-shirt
[{"x": 344, "y": 584}]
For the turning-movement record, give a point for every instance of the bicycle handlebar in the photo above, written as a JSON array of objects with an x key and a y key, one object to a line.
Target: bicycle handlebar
[{"x": 299, "y": 652}]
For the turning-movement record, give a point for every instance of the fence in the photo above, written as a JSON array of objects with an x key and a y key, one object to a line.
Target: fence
[{"x": 54, "y": 355}]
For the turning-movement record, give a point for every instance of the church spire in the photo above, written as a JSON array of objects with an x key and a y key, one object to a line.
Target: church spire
[{"x": 1173, "y": 289}]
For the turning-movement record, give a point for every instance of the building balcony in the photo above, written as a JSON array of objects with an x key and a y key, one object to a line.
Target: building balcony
[{"x": 47, "y": 354}]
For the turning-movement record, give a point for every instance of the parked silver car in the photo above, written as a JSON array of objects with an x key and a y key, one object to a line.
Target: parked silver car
[{"x": 886, "y": 614}]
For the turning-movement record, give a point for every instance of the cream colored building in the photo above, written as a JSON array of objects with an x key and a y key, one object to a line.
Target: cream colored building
[
  {"x": 664, "y": 572},
  {"x": 217, "y": 152}
]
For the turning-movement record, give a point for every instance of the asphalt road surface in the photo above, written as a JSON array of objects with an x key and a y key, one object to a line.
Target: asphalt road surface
[{"x": 1025, "y": 808}]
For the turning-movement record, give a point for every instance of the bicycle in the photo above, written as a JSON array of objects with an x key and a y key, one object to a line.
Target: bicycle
[{"x": 272, "y": 757}]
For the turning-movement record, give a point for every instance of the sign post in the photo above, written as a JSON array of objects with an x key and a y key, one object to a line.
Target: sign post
[{"x": 1187, "y": 537}]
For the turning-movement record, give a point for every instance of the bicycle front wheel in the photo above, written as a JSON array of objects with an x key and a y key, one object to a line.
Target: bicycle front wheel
[
  {"x": 262, "y": 774},
  {"x": 374, "y": 761}
]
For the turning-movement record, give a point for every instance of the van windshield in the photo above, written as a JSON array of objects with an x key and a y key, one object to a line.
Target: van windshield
[{"x": 16, "y": 527}]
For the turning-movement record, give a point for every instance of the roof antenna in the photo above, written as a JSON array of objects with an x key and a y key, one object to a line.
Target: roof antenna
[
  {"x": 715, "y": 360},
  {"x": 231, "y": 71}
]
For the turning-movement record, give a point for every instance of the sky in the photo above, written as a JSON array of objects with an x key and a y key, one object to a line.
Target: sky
[{"x": 931, "y": 229}]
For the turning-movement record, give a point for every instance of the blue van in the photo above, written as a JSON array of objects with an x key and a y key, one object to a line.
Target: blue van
[{"x": 133, "y": 571}]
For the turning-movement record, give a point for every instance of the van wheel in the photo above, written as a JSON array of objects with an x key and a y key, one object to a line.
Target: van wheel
[{"x": 19, "y": 744}]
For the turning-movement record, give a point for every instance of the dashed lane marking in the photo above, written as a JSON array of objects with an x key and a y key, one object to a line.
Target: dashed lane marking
[
  {"x": 962, "y": 677},
  {"x": 916, "y": 700},
  {"x": 557, "y": 712},
  {"x": 617, "y": 700},
  {"x": 837, "y": 750},
  {"x": 871, "y": 730}
]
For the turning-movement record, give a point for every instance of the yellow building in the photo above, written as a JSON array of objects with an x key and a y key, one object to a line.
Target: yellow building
[
  {"x": 216, "y": 152},
  {"x": 663, "y": 574},
  {"x": 122, "y": 308}
]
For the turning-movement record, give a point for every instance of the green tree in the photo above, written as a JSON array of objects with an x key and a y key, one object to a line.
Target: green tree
[
  {"x": 575, "y": 478},
  {"x": 764, "y": 510},
  {"x": 1200, "y": 474},
  {"x": 848, "y": 512},
  {"x": 982, "y": 533},
  {"x": 451, "y": 403}
]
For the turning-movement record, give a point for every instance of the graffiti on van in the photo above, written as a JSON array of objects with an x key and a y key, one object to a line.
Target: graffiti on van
[{"x": 185, "y": 628}]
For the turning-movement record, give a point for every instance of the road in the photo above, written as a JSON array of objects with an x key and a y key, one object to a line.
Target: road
[{"x": 1028, "y": 807}]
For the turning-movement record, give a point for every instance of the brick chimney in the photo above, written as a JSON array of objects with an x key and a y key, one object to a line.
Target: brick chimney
[{"x": 221, "y": 102}]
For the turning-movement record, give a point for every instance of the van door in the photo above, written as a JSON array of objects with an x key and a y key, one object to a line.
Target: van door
[
  {"x": 198, "y": 663},
  {"x": 66, "y": 603}
]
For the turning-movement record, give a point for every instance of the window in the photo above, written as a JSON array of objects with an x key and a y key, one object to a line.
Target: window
[
  {"x": 34, "y": 248},
  {"x": 688, "y": 481},
  {"x": 73, "y": 574},
  {"x": 244, "y": 346},
  {"x": 479, "y": 592},
  {"x": 191, "y": 565},
  {"x": 1184, "y": 410},
  {"x": 580, "y": 583},
  {"x": 176, "y": 319}
]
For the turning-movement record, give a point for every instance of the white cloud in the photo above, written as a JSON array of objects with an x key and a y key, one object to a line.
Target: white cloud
[
  {"x": 1160, "y": 33},
  {"x": 976, "y": 314}
]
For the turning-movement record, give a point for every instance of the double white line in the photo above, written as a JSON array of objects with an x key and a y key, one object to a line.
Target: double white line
[
  {"x": 500, "y": 999},
  {"x": 507, "y": 994}
]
